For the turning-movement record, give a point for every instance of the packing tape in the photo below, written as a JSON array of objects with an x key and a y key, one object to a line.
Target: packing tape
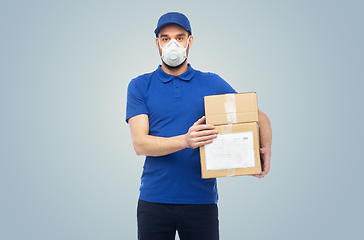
[
  {"x": 230, "y": 172},
  {"x": 227, "y": 128},
  {"x": 230, "y": 108}
]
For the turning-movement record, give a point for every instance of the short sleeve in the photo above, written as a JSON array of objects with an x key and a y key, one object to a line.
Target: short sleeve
[
  {"x": 222, "y": 87},
  {"x": 135, "y": 100}
]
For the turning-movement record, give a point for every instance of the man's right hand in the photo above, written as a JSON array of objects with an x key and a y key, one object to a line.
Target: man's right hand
[{"x": 200, "y": 134}]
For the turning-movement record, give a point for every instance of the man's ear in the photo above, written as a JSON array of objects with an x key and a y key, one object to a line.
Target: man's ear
[
  {"x": 157, "y": 42},
  {"x": 190, "y": 42}
]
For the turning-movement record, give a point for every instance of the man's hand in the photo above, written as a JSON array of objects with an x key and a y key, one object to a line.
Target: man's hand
[
  {"x": 265, "y": 156},
  {"x": 199, "y": 135}
]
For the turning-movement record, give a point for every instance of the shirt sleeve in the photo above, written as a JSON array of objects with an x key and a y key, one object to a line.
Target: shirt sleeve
[
  {"x": 135, "y": 100},
  {"x": 222, "y": 87}
]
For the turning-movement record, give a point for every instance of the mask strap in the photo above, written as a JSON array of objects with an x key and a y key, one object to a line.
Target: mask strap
[
  {"x": 159, "y": 41},
  {"x": 188, "y": 42}
]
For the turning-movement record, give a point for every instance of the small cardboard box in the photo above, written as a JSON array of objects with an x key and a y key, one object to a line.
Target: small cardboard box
[{"x": 236, "y": 149}]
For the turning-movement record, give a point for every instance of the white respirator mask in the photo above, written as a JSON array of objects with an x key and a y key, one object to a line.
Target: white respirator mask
[{"x": 173, "y": 53}]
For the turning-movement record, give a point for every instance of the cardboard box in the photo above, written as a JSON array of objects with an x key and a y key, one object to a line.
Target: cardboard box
[{"x": 236, "y": 149}]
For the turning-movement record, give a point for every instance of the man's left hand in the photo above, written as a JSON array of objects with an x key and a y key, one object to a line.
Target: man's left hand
[{"x": 265, "y": 155}]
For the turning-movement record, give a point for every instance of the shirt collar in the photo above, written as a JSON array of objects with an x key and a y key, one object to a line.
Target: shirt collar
[{"x": 186, "y": 76}]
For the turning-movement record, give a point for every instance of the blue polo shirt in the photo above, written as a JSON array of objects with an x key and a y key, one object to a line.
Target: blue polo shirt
[{"x": 173, "y": 104}]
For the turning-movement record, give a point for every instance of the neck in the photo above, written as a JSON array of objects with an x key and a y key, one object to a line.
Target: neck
[{"x": 175, "y": 71}]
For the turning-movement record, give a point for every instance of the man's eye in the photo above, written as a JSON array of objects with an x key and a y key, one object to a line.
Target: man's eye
[
  {"x": 165, "y": 39},
  {"x": 179, "y": 39}
]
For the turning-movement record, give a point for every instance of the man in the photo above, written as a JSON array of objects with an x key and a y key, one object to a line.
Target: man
[{"x": 165, "y": 112}]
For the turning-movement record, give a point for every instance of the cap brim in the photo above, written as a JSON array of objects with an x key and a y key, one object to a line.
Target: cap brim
[{"x": 156, "y": 31}]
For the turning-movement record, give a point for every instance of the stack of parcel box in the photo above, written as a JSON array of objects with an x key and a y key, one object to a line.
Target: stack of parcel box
[{"x": 235, "y": 151}]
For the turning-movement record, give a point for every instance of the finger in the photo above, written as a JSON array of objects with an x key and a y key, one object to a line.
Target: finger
[
  {"x": 203, "y": 133},
  {"x": 200, "y": 121},
  {"x": 259, "y": 175},
  {"x": 265, "y": 170},
  {"x": 205, "y": 138},
  {"x": 201, "y": 143},
  {"x": 197, "y": 139},
  {"x": 201, "y": 128}
]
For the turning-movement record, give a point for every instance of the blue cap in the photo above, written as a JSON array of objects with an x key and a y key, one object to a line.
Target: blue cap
[{"x": 173, "y": 17}]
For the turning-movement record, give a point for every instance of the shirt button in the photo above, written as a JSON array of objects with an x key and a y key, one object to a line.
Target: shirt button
[{"x": 177, "y": 86}]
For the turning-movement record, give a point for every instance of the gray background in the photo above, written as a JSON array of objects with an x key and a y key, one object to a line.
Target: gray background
[{"x": 67, "y": 165}]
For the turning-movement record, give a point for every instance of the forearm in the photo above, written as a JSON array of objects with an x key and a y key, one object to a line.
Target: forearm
[
  {"x": 158, "y": 146},
  {"x": 265, "y": 131},
  {"x": 265, "y": 135},
  {"x": 145, "y": 144}
]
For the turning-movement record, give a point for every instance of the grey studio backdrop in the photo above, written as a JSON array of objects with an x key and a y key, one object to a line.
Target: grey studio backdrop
[{"x": 67, "y": 166}]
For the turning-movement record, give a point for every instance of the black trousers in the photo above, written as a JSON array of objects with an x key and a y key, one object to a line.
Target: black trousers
[{"x": 157, "y": 221}]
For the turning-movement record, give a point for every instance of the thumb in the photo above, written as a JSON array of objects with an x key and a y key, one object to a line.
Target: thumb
[
  {"x": 200, "y": 121},
  {"x": 262, "y": 150}
]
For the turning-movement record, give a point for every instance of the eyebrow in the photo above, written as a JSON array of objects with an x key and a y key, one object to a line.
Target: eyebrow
[{"x": 178, "y": 35}]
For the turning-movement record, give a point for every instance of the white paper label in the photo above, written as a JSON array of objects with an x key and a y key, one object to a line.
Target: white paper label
[{"x": 233, "y": 150}]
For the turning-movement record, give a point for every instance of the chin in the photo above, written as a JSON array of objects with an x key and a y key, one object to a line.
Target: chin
[{"x": 175, "y": 67}]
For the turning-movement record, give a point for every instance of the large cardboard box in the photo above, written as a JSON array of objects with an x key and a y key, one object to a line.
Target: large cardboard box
[{"x": 235, "y": 151}]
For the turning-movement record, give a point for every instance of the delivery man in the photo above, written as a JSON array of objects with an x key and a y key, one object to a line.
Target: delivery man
[{"x": 165, "y": 112}]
